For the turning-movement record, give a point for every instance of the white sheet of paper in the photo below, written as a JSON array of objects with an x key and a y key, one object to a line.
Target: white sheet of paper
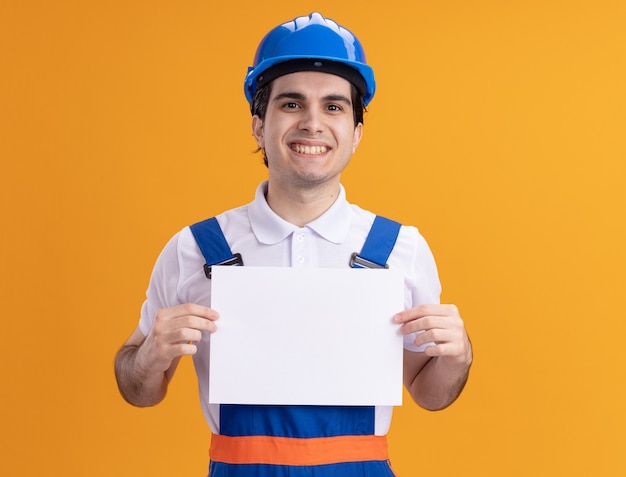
[{"x": 306, "y": 336}]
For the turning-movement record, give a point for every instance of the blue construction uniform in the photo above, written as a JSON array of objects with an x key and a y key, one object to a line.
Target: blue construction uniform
[{"x": 298, "y": 441}]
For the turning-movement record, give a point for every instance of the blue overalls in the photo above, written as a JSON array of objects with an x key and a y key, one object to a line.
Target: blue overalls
[{"x": 298, "y": 441}]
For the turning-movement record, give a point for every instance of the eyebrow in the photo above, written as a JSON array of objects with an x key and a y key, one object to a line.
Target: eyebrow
[{"x": 300, "y": 97}]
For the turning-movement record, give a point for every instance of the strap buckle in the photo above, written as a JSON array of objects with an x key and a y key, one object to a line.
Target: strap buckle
[
  {"x": 356, "y": 261},
  {"x": 235, "y": 260}
]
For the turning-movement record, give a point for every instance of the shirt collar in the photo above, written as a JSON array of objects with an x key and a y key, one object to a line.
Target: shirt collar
[{"x": 269, "y": 228}]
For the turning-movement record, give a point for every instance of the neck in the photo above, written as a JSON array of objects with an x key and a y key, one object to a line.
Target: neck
[{"x": 301, "y": 206}]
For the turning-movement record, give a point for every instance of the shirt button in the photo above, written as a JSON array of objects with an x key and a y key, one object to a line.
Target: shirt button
[
  {"x": 300, "y": 259},
  {"x": 299, "y": 237}
]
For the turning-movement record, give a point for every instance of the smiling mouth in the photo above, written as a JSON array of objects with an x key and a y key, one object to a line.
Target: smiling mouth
[{"x": 309, "y": 150}]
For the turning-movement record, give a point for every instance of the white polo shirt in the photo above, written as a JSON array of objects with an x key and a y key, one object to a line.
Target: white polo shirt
[{"x": 264, "y": 239}]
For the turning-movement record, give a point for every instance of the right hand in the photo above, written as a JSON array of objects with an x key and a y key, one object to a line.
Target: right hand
[{"x": 173, "y": 334}]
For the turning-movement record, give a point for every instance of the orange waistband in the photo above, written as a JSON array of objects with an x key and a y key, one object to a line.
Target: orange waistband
[{"x": 294, "y": 451}]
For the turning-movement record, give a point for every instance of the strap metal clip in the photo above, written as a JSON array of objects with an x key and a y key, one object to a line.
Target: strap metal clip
[
  {"x": 235, "y": 260},
  {"x": 357, "y": 261}
]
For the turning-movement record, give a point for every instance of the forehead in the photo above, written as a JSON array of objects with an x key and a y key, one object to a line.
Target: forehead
[{"x": 311, "y": 84}]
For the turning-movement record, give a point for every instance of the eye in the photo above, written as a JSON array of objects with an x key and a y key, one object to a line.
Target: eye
[
  {"x": 290, "y": 105},
  {"x": 337, "y": 108}
]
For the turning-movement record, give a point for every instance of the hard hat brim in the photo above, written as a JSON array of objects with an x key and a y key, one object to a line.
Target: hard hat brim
[{"x": 359, "y": 74}]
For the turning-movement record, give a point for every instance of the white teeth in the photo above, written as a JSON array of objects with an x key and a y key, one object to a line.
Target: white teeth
[{"x": 311, "y": 150}]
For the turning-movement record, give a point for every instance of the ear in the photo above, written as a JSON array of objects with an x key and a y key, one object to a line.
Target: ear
[
  {"x": 257, "y": 130},
  {"x": 356, "y": 139}
]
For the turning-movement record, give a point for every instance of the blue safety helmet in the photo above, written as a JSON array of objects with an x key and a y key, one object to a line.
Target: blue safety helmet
[{"x": 310, "y": 43}]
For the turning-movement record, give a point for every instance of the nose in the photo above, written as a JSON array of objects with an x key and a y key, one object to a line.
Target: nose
[{"x": 312, "y": 121}]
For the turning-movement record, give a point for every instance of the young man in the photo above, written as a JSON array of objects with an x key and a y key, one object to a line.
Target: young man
[{"x": 308, "y": 88}]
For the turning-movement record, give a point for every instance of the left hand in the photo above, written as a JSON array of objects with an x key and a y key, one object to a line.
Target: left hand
[{"x": 441, "y": 325}]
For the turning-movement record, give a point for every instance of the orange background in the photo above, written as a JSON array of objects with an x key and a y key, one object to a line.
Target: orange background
[{"x": 498, "y": 129}]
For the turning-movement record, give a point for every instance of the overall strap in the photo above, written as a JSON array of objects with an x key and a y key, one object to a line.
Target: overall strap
[
  {"x": 378, "y": 244},
  {"x": 213, "y": 245}
]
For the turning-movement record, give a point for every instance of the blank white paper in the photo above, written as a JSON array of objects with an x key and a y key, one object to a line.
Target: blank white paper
[{"x": 315, "y": 336}]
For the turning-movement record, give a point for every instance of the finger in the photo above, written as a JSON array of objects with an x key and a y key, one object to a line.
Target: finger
[
  {"x": 192, "y": 309},
  {"x": 409, "y": 315},
  {"x": 424, "y": 310},
  {"x": 185, "y": 316},
  {"x": 188, "y": 309},
  {"x": 185, "y": 335},
  {"x": 196, "y": 323},
  {"x": 424, "y": 324},
  {"x": 447, "y": 350},
  {"x": 435, "y": 350},
  {"x": 442, "y": 349},
  {"x": 437, "y": 336},
  {"x": 185, "y": 349}
]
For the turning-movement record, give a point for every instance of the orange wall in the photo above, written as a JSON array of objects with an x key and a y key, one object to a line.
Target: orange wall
[{"x": 498, "y": 129}]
